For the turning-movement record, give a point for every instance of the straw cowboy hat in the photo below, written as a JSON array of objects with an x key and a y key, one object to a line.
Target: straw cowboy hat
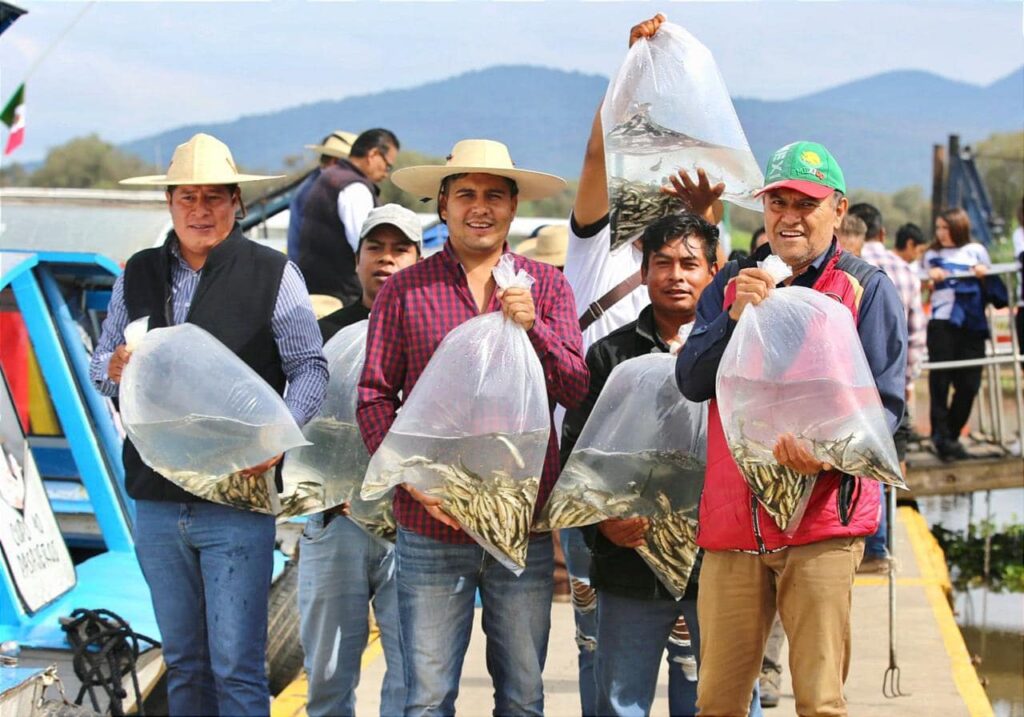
[
  {"x": 201, "y": 160},
  {"x": 336, "y": 144},
  {"x": 482, "y": 156},
  {"x": 549, "y": 244}
]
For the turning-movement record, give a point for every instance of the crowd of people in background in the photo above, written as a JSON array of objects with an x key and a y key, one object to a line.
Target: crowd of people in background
[{"x": 671, "y": 291}]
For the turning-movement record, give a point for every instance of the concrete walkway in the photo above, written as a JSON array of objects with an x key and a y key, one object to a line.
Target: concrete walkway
[{"x": 936, "y": 669}]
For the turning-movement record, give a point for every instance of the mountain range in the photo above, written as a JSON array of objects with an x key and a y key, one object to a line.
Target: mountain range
[{"x": 881, "y": 129}]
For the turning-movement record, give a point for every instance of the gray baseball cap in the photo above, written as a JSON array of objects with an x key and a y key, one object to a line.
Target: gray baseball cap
[{"x": 397, "y": 216}]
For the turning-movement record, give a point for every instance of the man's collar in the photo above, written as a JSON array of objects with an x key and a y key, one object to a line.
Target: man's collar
[
  {"x": 825, "y": 255},
  {"x": 647, "y": 329},
  {"x": 347, "y": 163},
  {"x": 451, "y": 259},
  {"x": 216, "y": 254},
  {"x": 813, "y": 269}
]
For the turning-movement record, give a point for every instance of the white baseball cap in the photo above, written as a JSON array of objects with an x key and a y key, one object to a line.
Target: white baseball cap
[{"x": 397, "y": 216}]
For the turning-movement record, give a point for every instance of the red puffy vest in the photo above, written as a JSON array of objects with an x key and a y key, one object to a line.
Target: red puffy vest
[{"x": 730, "y": 516}]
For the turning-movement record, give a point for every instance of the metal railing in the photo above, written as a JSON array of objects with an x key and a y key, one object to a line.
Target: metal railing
[{"x": 992, "y": 417}]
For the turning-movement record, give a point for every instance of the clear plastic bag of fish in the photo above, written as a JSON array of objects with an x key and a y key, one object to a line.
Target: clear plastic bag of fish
[
  {"x": 474, "y": 431},
  {"x": 329, "y": 471},
  {"x": 668, "y": 109},
  {"x": 641, "y": 454},
  {"x": 375, "y": 517},
  {"x": 198, "y": 415},
  {"x": 795, "y": 365}
]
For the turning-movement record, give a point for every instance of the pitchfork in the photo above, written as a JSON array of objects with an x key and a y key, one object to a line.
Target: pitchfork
[{"x": 891, "y": 680}]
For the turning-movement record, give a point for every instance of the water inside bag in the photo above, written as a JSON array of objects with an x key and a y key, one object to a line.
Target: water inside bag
[
  {"x": 680, "y": 477},
  {"x": 640, "y": 157},
  {"x": 488, "y": 483},
  {"x": 416, "y": 459},
  {"x": 335, "y": 462},
  {"x": 843, "y": 425},
  {"x": 204, "y": 440}
]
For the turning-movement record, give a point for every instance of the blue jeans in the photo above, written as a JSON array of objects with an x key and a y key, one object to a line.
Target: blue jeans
[
  {"x": 341, "y": 571},
  {"x": 632, "y": 635},
  {"x": 874, "y": 545},
  {"x": 577, "y": 562},
  {"x": 437, "y": 584},
  {"x": 209, "y": 569}
]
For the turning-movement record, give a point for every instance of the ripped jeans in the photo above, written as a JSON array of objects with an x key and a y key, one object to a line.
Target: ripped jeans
[{"x": 584, "y": 603}]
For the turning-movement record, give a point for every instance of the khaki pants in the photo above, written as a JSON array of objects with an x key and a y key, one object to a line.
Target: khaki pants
[{"x": 811, "y": 586}]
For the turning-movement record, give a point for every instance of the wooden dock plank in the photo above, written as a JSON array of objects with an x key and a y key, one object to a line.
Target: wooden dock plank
[{"x": 927, "y": 475}]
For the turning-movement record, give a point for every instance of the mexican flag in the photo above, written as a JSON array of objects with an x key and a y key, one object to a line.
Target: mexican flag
[{"x": 13, "y": 116}]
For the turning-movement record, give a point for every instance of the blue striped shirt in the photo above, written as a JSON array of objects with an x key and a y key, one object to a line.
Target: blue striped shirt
[{"x": 294, "y": 325}]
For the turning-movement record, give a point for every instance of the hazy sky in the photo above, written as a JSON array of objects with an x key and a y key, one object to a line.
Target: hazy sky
[{"x": 129, "y": 69}]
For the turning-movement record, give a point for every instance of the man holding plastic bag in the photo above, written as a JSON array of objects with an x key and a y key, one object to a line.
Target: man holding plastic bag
[
  {"x": 636, "y": 611},
  {"x": 439, "y": 566},
  {"x": 209, "y": 565},
  {"x": 756, "y": 561},
  {"x": 607, "y": 285},
  {"x": 342, "y": 569}
]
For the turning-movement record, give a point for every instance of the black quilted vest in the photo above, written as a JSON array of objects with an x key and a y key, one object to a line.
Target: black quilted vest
[
  {"x": 234, "y": 301},
  {"x": 325, "y": 255}
]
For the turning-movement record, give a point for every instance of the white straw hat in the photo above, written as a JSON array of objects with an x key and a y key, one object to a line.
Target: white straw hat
[
  {"x": 337, "y": 144},
  {"x": 201, "y": 160},
  {"x": 483, "y": 156}
]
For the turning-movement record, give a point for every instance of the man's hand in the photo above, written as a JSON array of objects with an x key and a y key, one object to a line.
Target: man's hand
[
  {"x": 432, "y": 506},
  {"x": 118, "y": 360},
  {"x": 262, "y": 467},
  {"x": 627, "y": 533},
  {"x": 791, "y": 453},
  {"x": 698, "y": 197},
  {"x": 646, "y": 29},
  {"x": 752, "y": 287},
  {"x": 517, "y": 304}
]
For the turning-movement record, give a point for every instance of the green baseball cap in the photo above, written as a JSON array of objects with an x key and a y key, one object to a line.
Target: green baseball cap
[{"x": 806, "y": 167}]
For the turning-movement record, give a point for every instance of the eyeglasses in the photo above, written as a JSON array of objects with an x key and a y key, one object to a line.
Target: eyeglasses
[{"x": 383, "y": 152}]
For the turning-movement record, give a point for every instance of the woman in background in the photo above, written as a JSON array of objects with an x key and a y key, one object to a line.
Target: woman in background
[{"x": 957, "y": 329}]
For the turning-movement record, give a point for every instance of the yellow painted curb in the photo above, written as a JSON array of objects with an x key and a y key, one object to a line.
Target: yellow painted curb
[
  {"x": 878, "y": 581},
  {"x": 291, "y": 702},
  {"x": 931, "y": 562}
]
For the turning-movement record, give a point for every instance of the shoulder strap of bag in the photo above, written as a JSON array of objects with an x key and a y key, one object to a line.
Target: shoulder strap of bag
[{"x": 597, "y": 309}]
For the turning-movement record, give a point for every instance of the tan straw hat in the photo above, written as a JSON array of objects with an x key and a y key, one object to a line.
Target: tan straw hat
[
  {"x": 549, "y": 245},
  {"x": 336, "y": 144},
  {"x": 483, "y": 156},
  {"x": 324, "y": 304},
  {"x": 201, "y": 160}
]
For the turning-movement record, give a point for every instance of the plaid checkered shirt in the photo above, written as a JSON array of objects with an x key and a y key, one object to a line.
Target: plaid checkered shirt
[
  {"x": 414, "y": 311},
  {"x": 909, "y": 287}
]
